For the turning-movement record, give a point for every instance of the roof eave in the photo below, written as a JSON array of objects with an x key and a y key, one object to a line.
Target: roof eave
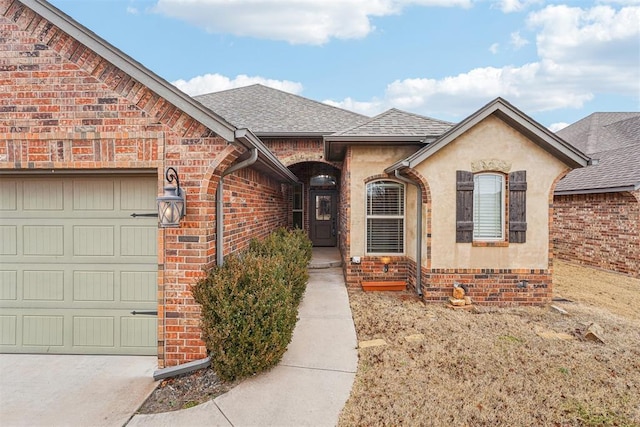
[
  {"x": 334, "y": 147},
  {"x": 598, "y": 190},
  {"x": 265, "y": 157},
  {"x": 133, "y": 68},
  {"x": 517, "y": 120}
]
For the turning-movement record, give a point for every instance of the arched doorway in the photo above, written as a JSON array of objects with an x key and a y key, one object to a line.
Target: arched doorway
[{"x": 315, "y": 201}]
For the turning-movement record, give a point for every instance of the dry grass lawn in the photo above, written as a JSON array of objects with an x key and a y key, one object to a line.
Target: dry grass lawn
[{"x": 500, "y": 367}]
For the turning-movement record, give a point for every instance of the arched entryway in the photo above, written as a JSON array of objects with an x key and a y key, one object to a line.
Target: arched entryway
[{"x": 315, "y": 201}]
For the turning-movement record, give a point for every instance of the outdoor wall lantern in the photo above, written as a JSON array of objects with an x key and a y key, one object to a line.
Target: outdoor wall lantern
[
  {"x": 385, "y": 260},
  {"x": 172, "y": 204}
]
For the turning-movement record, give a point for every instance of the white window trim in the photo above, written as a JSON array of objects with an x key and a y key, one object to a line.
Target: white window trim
[
  {"x": 501, "y": 238},
  {"x": 367, "y": 217}
]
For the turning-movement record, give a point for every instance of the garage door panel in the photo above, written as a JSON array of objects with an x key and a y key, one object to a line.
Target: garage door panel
[
  {"x": 8, "y": 196},
  {"x": 139, "y": 195},
  {"x": 8, "y": 240},
  {"x": 8, "y": 330},
  {"x": 93, "y": 286},
  {"x": 43, "y": 330},
  {"x": 43, "y": 285},
  {"x": 138, "y": 286},
  {"x": 44, "y": 240},
  {"x": 138, "y": 330},
  {"x": 93, "y": 331},
  {"x": 8, "y": 285},
  {"x": 74, "y": 265},
  {"x": 138, "y": 241},
  {"x": 43, "y": 195},
  {"x": 93, "y": 195}
]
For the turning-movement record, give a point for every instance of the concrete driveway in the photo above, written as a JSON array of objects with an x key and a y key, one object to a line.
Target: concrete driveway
[{"x": 67, "y": 390}]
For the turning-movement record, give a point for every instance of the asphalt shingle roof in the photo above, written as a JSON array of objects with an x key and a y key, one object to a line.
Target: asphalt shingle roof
[
  {"x": 396, "y": 122},
  {"x": 268, "y": 111},
  {"x": 614, "y": 140}
]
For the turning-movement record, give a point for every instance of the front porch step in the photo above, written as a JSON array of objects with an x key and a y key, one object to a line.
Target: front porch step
[{"x": 325, "y": 258}]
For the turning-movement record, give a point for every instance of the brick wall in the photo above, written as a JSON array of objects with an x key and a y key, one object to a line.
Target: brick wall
[
  {"x": 490, "y": 287},
  {"x": 62, "y": 106},
  {"x": 599, "y": 230}
]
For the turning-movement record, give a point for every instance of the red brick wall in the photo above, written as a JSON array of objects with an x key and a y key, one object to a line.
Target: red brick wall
[
  {"x": 599, "y": 230},
  {"x": 491, "y": 287},
  {"x": 296, "y": 150},
  {"x": 62, "y": 106}
]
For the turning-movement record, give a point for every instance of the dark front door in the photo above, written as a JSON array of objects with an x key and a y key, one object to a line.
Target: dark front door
[{"x": 323, "y": 217}]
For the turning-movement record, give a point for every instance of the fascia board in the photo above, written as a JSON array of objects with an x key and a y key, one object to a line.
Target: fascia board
[
  {"x": 598, "y": 190},
  {"x": 265, "y": 157},
  {"x": 539, "y": 135},
  {"x": 133, "y": 68}
]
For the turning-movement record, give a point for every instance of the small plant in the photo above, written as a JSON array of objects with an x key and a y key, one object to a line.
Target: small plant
[{"x": 250, "y": 304}]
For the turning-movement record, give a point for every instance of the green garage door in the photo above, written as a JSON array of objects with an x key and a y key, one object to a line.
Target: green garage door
[{"x": 74, "y": 264}]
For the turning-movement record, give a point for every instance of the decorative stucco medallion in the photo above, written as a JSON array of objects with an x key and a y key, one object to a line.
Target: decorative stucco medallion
[{"x": 490, "y": 165}]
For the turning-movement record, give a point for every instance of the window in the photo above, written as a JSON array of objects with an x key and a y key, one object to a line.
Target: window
[
  {"x": 385, "y": 217},
  {"x": 488, "y": 207},
  {"x": 480, "y": 207}
]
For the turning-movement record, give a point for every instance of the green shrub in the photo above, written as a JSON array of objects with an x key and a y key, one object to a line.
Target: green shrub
[{"x": 250, "y": 304}]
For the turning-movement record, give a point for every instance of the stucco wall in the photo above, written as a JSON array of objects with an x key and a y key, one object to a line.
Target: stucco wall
[
  {"x": 368, "y": 162},
  {"x": 491, "y": 139}
]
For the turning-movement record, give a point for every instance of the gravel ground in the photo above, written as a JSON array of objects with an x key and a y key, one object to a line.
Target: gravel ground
[{"x": 185, "y": 391}]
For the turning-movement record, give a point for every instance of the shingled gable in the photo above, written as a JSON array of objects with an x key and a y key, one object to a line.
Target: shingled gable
[
  {"x": 266, "y": 160},
  {"x": 392, "y": 127},
  {"x": 512, "y": 117},
  {"x": 613, "y": 139},
  {"x": 271, "y": 112}
]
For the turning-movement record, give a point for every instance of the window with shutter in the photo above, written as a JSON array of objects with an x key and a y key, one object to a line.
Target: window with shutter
[
  {"x": 385, "y": 217},
  {"x": 464, "y": 207},
  {"x": 518, "y": 207},
  {"x": 480, "y": 207},
  {"x": 488, "y": 207}
]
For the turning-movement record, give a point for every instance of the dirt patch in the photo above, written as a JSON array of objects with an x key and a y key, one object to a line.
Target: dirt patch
[
  {"x": 185, "y": 391},
  {"x": 492, "y": 366}
]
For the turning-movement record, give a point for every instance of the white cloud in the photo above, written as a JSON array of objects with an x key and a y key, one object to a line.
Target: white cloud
[
  {"x": 298, "y": 22},
  {"x": 371, "y": 108},
  {"x": 517, "y": 41},
  {"x": 132, "y": 10},
  {"x": 510, "y": 6},
  {"x": 494, "y": 48},
  {"x": 581, "y": 53},
  {"x": 555, "y": 127},
  {"x": 216, "y": 82}
]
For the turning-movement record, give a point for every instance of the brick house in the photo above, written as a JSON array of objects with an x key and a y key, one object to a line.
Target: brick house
[
  {"x": 87, "y": 134},
  {"x": 597, "y": 209}
]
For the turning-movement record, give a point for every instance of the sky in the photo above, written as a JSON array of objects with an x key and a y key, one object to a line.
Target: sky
[{"x": 558, "y": 61}]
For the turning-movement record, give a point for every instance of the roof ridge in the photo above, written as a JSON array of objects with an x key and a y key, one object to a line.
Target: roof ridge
[{"x": 262, "y": 86}]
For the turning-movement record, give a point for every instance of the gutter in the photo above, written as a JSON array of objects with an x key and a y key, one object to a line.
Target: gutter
[
  {"x": 597, "y": 190},
  {"x": 219, "y": 203},
  {"x": 418, "y": 230}
]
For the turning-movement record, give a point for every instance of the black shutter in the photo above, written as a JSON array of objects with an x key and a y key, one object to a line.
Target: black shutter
[
  {"x": 464, "y": 207},
  {"x": 518, "y": 207}
]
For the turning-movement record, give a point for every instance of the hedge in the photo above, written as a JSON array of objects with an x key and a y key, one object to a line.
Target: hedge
[{"x": 250, "y": 304}]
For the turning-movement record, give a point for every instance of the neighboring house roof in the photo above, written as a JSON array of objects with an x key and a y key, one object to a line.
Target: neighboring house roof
[
  {"x": 272, "y": 112},
  {"x": 391, "y": 127},
  {"x": 613, "y": 141},
  {"x": 161, "y": 87},
  {"x": 513, "y": 117}
]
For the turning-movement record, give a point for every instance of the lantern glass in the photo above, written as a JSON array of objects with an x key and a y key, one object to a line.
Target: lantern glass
[{"x": 170, "y": 207}]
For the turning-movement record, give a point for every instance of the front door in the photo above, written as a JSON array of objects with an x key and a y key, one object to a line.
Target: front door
[{"x": 323, "y": 218}]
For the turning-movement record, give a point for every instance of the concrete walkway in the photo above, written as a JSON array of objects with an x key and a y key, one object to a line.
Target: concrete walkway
[{"x": 312, "y": 382}]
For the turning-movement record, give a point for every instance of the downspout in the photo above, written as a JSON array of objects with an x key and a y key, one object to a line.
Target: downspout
[
  {"x": 418, "y": 230},
  {"x": 219, "y": 204}
]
